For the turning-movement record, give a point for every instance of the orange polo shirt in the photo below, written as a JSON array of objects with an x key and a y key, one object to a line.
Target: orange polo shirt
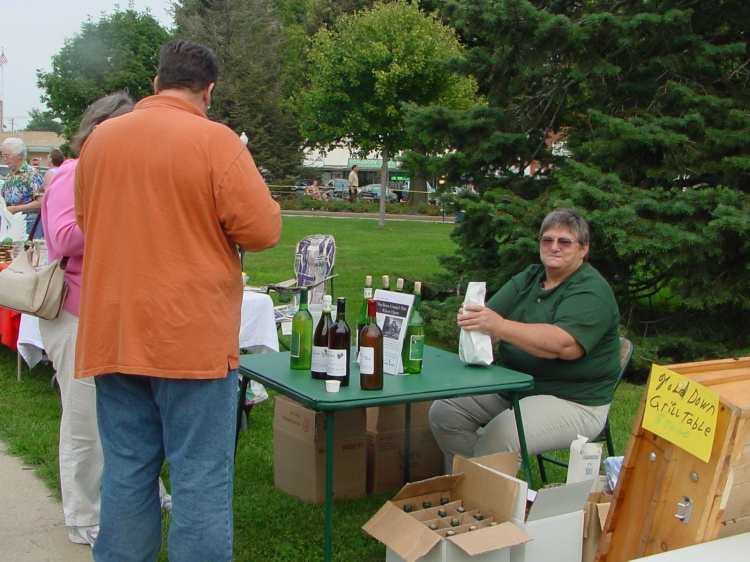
[{"x": 164, "y": 196}]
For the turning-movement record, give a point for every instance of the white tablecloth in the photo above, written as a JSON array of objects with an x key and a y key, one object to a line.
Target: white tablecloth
[{"x": 257, "y": 329}]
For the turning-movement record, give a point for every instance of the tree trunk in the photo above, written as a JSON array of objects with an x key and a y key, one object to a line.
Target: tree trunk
[
  {"x": 417, "y": 190},
  {"x": 383, "y": 185}
]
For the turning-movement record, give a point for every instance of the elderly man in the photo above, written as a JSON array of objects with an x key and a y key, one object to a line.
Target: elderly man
[{"x": 22, "y": 189}]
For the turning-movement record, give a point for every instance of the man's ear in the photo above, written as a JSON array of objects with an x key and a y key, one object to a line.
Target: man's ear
[{"x": 156, "y": 84}]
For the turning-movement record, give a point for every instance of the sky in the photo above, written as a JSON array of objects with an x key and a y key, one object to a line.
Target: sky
[{"x": 32, "y": 31}]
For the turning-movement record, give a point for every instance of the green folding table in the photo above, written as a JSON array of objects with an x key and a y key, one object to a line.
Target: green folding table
[{"x": 443, "y": 376}]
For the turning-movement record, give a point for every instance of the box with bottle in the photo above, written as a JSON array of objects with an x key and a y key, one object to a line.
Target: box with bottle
[{"x": 467, "y": 516}]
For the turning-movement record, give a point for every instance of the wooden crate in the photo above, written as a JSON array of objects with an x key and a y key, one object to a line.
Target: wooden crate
[{"x": 656, "y": 475}]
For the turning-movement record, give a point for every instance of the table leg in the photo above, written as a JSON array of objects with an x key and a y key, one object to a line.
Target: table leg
[
  {"x": 328, "y": 507},
  {"x": 521, "y": 437},
  {"x": 407, "y": 442},
  {"x": 18, "y": 367},
  {"x": 240, "y": 403}
]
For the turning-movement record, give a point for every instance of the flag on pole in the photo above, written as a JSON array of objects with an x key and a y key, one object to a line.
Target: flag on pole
[{"x": 3, "y": 58}]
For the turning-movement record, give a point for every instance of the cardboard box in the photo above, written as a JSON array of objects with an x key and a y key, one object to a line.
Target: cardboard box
[
  {"x": 385, "y": 459},
  {"x": 393, "y": 418},
  {"x": 554, "y": 522},
  {"x": 299, "y": 452},
  {"x": 407, "y": 538},
  {"x": 594, "y": 516}
]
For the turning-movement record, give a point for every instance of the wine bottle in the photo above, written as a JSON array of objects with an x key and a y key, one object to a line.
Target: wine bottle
[
  {"x": 400, "y": 285},
  {"x": 339, "y": 345},
  {"x": 319, "y": 365},
  {"x": 366, "y": 295},
  {"x": 302, "y": 332},
  {"x": 371, "y": 352},
  {"x": 413, "y": 350},
  {"x": 386, "y": 283}
]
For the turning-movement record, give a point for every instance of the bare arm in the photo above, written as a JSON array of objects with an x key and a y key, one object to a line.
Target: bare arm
[
  {"x": 34, "y": 205},
  {"x": 541, "y": 340}
]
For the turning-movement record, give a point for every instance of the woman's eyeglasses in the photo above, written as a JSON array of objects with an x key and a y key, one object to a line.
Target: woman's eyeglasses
[{"x": 562, "y": 243}]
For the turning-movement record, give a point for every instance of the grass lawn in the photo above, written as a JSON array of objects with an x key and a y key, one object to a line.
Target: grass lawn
[{"x": 269, "y": 524}]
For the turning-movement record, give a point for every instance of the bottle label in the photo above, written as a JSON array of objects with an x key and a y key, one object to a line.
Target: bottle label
[
  {"x": 295, "y": 347},
  {"x": 367, "y": 360},
  {"x": 416, "y": 348},
  {"x": 367, "y": 292},
  {"x": 319, "y": 359},
  {"x": 337, "y": 363}
]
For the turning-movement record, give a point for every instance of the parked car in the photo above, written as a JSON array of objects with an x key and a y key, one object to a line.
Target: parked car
[
  {"x": 339, "y": 188},
  {"x": 371, "y": 192}
]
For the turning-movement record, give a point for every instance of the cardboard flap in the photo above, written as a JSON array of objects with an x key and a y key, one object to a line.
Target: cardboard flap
[
  {"x": 486, "y": 489},
  {"x": 490, "y": 538},
  {"x": 559, "y": 500},
  {"x": 429, "y": 486},
  {"x": 400, "y": 532},
  {"x": 507, "y": 463},
  {"x": 602, "y": 509}
]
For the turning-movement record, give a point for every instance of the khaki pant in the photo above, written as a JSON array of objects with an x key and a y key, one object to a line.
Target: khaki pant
[
  {"x": 480, "y": 425},
  {"x": 81, "y": 458}
]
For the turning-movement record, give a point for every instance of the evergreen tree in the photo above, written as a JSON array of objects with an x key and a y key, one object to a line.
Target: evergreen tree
[
  {"x": 247, "y": 39},
  {"x": 653, "y": 103}
]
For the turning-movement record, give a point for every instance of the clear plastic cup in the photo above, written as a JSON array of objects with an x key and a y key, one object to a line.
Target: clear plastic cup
[{"x": 333, "y": 386}]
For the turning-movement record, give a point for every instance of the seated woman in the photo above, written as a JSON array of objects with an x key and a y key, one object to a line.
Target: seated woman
[
  {"x": 313, "y": 190},
  {"x": 557, "y": 321}
]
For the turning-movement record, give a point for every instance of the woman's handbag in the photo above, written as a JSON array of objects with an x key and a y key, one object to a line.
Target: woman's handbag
[{"x": 33, "y": 289}]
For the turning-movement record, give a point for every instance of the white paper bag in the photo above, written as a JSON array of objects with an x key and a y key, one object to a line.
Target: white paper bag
[
  {"x": 584, "y": 461},
  {"x": 475, "y": 348}
]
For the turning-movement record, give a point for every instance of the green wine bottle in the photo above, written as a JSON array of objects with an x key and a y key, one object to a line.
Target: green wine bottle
[
  {"x": 302, "y": 335},
  {"x": 363, "y": 318},
  {"x": 413, "y": 349}
]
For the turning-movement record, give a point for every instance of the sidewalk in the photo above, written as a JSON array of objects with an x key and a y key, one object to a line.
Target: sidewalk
[{"x": 31, "y": 519}]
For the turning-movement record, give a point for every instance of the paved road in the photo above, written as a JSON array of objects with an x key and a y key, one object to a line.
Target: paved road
[
  {"x": 31, "y": 519},
  {"x": 368, "y": 216}
]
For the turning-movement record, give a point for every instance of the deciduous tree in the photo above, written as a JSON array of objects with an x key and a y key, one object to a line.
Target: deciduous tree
[
  {"x": 364, "y": 70},
  {"x": 115, "y": 52}
]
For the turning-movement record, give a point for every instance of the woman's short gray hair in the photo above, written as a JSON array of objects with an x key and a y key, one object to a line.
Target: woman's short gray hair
[
  {"x": 15, "y": 146},
  {"x": 102, "y": 109},
  {"x": 570, "y": 219}
]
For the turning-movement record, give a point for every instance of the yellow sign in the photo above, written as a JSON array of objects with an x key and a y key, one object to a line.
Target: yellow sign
[{"x": 681, "y": 411}]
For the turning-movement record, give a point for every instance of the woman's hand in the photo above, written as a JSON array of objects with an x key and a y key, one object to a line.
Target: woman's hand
[
  {"x": 12, "y": 209},
  {"x": 481, "y": 319}
]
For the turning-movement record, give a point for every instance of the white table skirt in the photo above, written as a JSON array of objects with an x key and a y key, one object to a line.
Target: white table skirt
[{"x": 257, "y": 329}]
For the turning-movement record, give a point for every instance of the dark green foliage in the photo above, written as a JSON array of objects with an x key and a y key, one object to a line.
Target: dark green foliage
[
  {"x": 246, "y": 36},
  {"x": 117, "y": 52},
  {"x": 653, "y": 101},
  {"x": 43, "y": 121}
]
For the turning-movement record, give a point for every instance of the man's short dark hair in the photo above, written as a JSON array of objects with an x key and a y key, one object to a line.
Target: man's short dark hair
[{"x": 186, "y": 65}]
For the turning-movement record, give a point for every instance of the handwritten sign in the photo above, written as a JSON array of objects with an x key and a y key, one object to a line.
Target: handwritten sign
[{"x": 681, "y": 411}]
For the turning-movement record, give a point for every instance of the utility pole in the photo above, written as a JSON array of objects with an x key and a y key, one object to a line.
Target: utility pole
[{"x": 3, "y": 62}]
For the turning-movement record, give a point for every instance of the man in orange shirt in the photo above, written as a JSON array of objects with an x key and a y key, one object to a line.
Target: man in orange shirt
[{"x": 164, "y": 197}]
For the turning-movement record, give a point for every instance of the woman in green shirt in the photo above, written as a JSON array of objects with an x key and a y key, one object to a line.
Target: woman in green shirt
[{"x": 557, "y": 321}]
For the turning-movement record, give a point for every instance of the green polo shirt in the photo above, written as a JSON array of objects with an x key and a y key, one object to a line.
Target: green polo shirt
[{"x": 584, "y": 306}]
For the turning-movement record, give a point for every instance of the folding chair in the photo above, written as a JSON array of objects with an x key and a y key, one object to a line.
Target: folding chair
[
  {"x": 314, "y": 261},
  {"x": 626, "y": 352}
]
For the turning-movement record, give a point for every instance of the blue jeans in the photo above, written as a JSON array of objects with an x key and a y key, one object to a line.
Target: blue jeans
[{"x": 190, "y": 424}]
